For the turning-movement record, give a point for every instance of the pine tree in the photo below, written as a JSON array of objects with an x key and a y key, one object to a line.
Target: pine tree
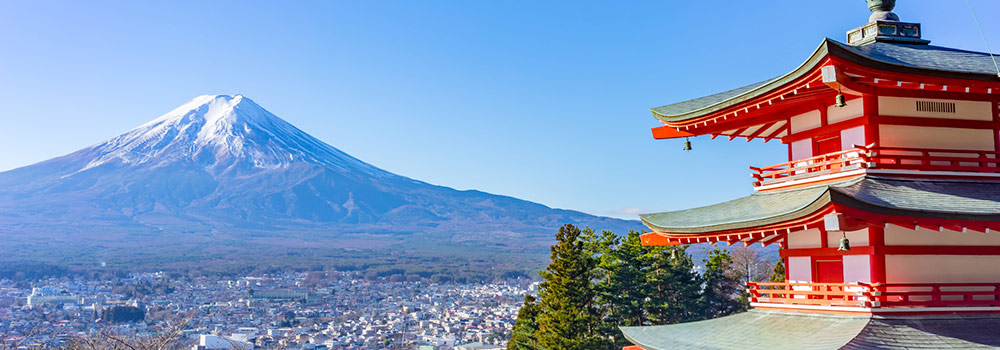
[
  {"x": 627, "y": 287},
  {"x": 523, "y": 337},
  {"x": 567, "y": 317},
  {"x": 779, "y": 271},
  {"x": 673, "y": 286},
  {"x": 721, "y": 294}
]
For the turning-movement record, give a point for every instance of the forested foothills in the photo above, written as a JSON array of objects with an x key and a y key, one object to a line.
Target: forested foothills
[{"x": 597, "y": 282}]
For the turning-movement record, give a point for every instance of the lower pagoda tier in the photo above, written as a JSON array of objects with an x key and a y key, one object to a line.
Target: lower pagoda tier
[
  {"x": 765, "y": 330},
  {"x": 770, "y": 217}
]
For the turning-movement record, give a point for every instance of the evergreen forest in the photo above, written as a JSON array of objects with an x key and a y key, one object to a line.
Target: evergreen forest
[{"x": 596, "y": 283}]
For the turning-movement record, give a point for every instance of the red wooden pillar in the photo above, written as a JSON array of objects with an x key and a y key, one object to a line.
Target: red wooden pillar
[
  {"x": 996, "y": 125},
  {"x": 870, "y": 103},
  {"x": 876, "y": 239}
]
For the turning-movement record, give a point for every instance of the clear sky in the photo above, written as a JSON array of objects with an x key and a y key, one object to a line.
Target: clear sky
[{"x": 542, "y": 100}]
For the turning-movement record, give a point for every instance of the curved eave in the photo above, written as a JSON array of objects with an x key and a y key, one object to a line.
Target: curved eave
[
  {"x": 805, "y": 67},
  {"x": 812, "y": 206},
  {"x": 902, "y": 200},
  {"x": 828, "y": 47}
]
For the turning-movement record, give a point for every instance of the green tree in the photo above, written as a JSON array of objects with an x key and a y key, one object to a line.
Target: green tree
[
  {"x": 722, "y": 293},
  {"x": 567, "y": 317},
  {"x": 623, "y": 291},
  {"x": 673, "y": 285},
  {"x": 523, "y": 337},
  {"x": 779, "y": 271}
]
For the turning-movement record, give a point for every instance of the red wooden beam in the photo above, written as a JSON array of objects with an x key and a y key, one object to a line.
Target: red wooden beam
[
  {"x": 769, "y": 241},
  {"x": 863, "y": 250},
  {"x": 775, "y": 134},
  {"x": 761, "y": 130},
  {"x": 737, "y": 133},
  {"x": 656, "y": 238},
  {"x": 754, "y": 240},
  {"x": 666, "y": 132}
]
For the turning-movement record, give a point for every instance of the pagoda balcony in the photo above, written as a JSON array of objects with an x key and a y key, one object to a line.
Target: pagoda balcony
[
  {"x": 878, "y": 160},
  {"x": 876, "y": 297}
]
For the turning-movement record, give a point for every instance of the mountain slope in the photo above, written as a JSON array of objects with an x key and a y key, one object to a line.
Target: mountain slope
[{"x": 222, "y": 167}]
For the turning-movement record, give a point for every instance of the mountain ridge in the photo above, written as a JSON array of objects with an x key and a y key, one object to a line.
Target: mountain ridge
[{"x": 223, "y": 165}]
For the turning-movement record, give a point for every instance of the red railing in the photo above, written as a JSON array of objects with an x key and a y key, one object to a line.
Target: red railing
[
  {"x": 876, "y": 295},
  {"x": 934, "y": 159},
  {"x": 817, "y": 294},
  {"x": 874, "y": 157},
  {"x": 938, "y": 294},
  {"x": 830, "y": 163}
]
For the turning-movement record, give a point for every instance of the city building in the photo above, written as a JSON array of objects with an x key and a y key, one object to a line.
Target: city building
[{"x": 887, "y": 212}]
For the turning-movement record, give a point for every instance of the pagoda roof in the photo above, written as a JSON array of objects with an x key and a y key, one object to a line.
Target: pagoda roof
[
  {"x": 766, "y": 330},
  {"x": 936, "y": 199},
  {"x": 918, "y": 59}
]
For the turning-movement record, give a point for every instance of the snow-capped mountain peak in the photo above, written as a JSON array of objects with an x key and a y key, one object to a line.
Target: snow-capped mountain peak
[{"x": 221, "y": 131}]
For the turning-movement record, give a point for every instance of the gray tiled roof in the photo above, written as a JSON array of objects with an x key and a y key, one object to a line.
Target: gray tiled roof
[
  {"x": 926, "y": 57},
  {"x": 776, "y": 331},
  {"x": 757, "y": 209},
  {"x": 702, "y": 102},
  {"x": 944, "y": 197},
  {"x": 948, "y": 199},
  {"x": 909, "y": 58},
  {"x": 952, "y": 332},
  {"x": 753, "y": 330}
]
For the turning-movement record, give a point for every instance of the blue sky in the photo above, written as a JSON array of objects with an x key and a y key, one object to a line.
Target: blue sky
[{"x": 542, "y": 100}]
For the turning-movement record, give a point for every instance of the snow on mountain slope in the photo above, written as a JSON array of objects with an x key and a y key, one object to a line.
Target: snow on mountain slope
[{"x": 213, "y": 129}]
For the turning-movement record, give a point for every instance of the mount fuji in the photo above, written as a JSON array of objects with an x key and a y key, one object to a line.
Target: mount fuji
[{"x": 223, "y": 169}]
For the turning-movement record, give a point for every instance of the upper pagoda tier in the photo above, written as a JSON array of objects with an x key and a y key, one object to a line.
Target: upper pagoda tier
[
  {"x": 885, "y": 68},
  {"x": 889, "y": 106}
]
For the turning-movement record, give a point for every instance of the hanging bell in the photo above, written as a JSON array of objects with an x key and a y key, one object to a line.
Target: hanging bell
[
  {"x": 687, "y": 144},
  {"x": 845, "y": 244},
  {"x": 673, "y": 254},
  {"x": 841, "y": 100}
]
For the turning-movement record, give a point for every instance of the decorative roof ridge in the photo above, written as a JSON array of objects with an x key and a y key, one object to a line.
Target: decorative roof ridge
[
  {"x": 849, "y": 49},
  {"x": 828, "y": 47}
]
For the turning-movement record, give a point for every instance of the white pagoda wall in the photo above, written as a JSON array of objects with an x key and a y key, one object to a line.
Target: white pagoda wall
[
  {"x": 836, "y": 114},
  {"x": 800, "y": 269},
  {"x": 858, "y": 238},
  {"x": 935, "y": 137},
  {"x": 942, "y": 269},
  {"x": 805, "y": 239},
  {"x": 806, "y": 121},
  {"x": 857, "y": 268},
  {"x": 907, "y": 107},
  {"x": 927, "y": 137},
  {"x": 900, "y": 236}
]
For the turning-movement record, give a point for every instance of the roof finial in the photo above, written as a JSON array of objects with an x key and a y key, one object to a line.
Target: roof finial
[{"x": 882, "y": 10}]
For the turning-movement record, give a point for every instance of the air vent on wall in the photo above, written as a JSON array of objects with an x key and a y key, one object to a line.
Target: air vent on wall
[{"x": 937, "y": 107}]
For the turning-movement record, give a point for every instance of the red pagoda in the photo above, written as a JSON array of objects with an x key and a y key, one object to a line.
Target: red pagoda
[{"x": 886, "y": 214}]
